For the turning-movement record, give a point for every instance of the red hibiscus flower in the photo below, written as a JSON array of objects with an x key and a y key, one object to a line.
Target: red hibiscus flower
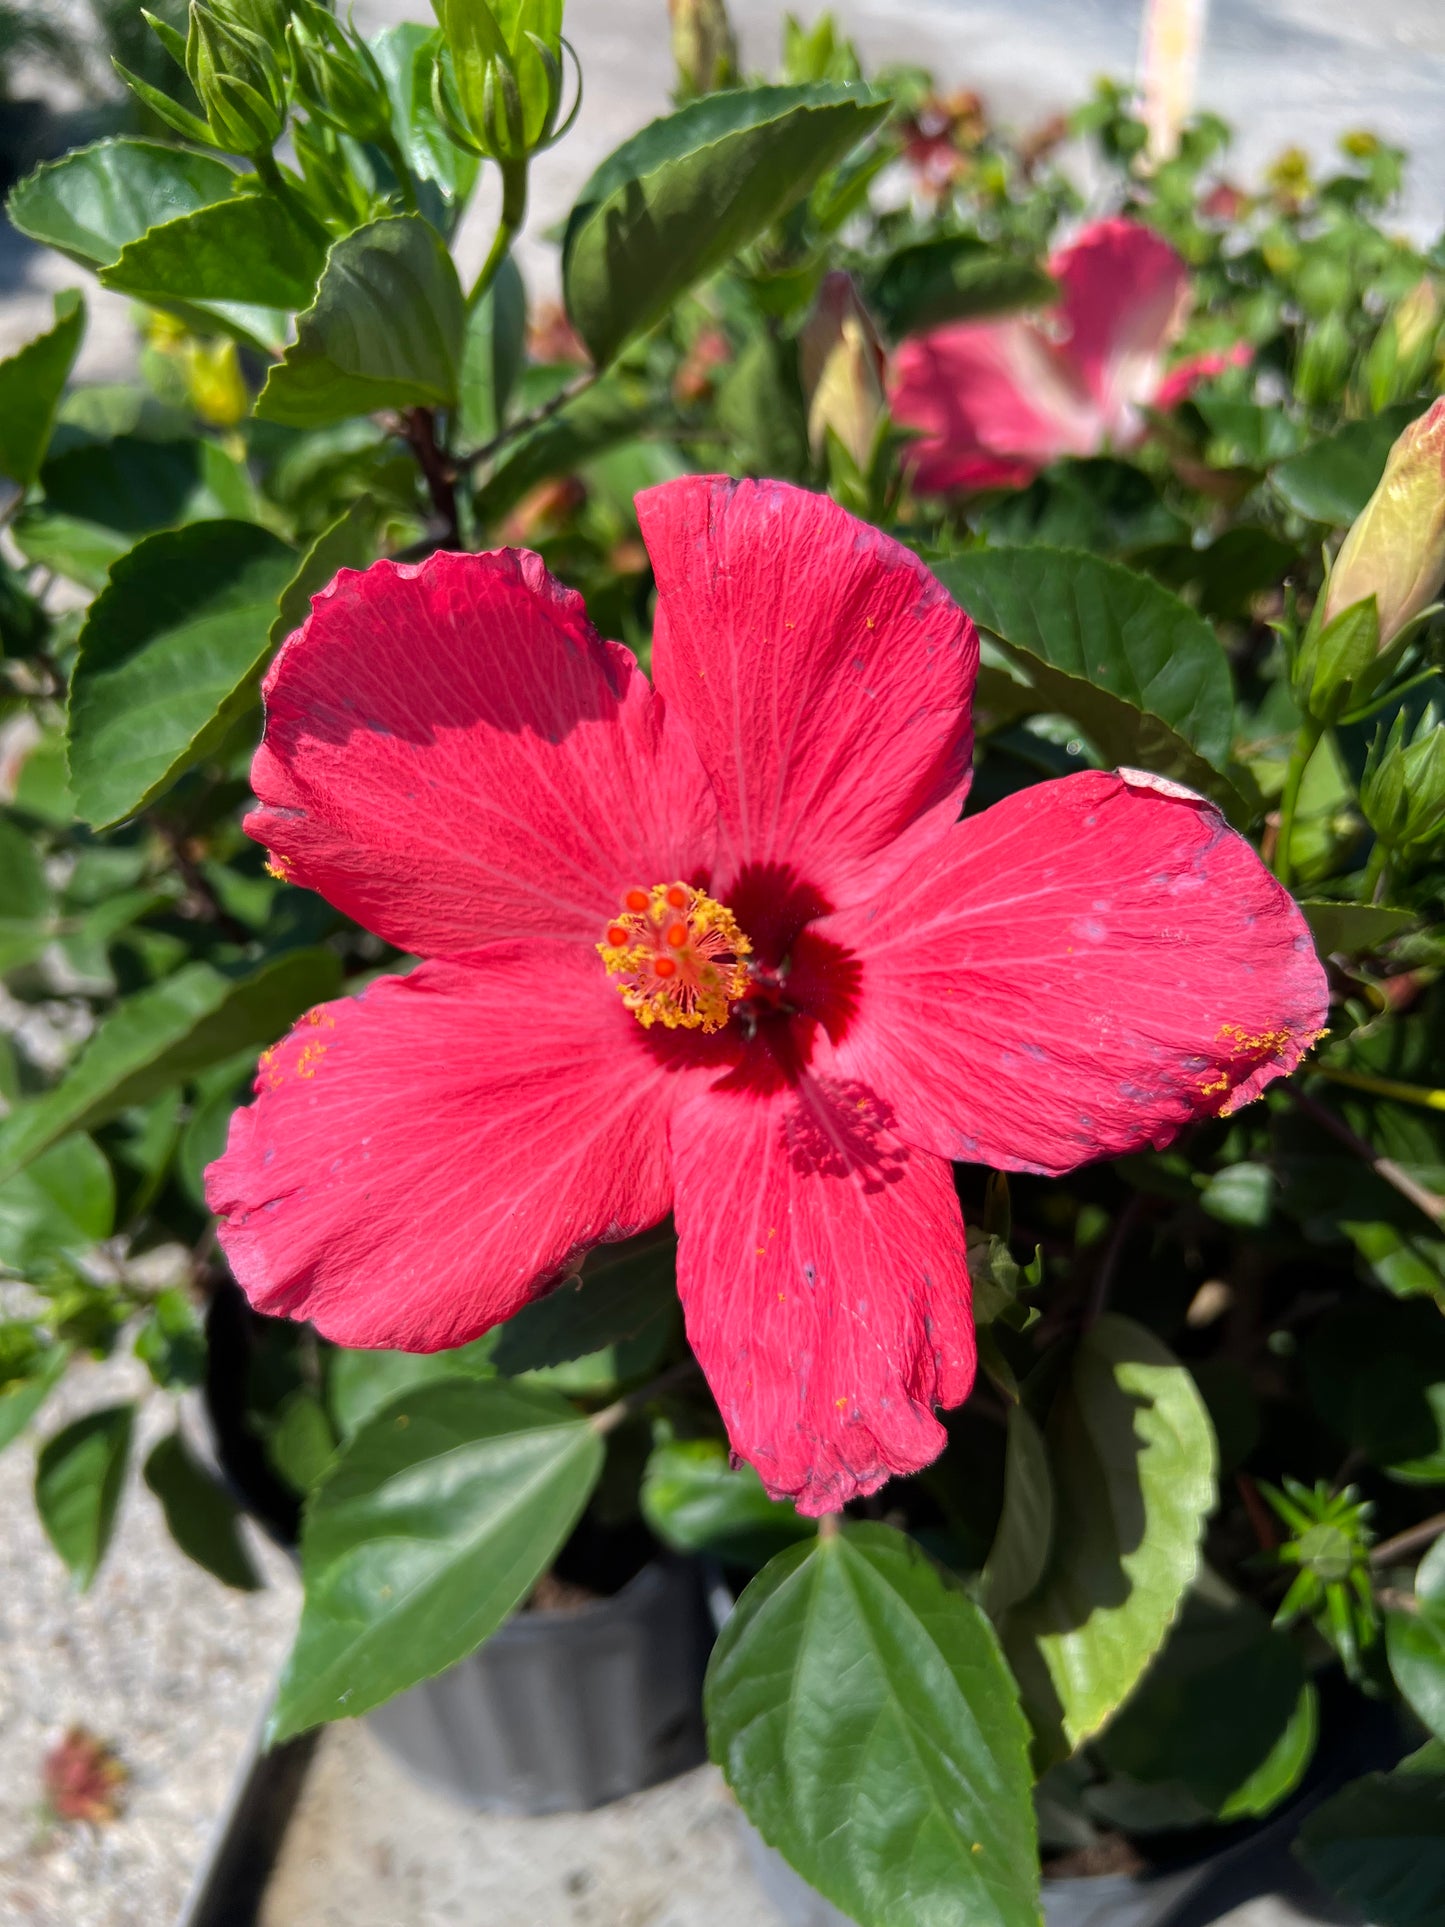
[
  {"x": 996, "y": 401},
  {"x": 720, "y": 946}
]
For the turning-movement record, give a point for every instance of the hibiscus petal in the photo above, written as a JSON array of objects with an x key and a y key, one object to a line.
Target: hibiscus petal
[
  {"x": 1185, "y": 376},
  {"x": 822, "y": 1270},
  {"x": 995, "y": 402},
  {"x": 823, "y": 673},
  {"x": 454, "y": 757},
  {"x": 1076, "y": 973},
  {"x": 1125, "y": 296},
  {"x": 420, "y": 1160}
]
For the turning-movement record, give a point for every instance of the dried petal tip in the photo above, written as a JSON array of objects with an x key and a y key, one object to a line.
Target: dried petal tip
[{"x": 678, "y": 957}]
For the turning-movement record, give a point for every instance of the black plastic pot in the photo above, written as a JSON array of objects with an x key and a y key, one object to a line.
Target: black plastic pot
[{"x": 565, "y": 1710}]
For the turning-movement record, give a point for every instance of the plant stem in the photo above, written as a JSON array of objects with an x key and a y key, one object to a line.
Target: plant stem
[
  {"x": 392, "y": 150},
  {"x": 1377, "y": 875},
  {"x": 419, "y": 427},
  {"x": 1395, "y": 1175},
  {"x": 830, "y": 1524},
  {"x": 1305, "y": 746},
  {"x": 514, "y": 213},
  {"x": 568, "y": 392},
  {"x": 1422, "y": 1094},
  {"x": 611, "y": 1416},
  {"x": 1413, "y": 1539}
]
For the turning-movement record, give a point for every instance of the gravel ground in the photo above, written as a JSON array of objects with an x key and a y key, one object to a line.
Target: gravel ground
[{"x": 158, "y": 1660}]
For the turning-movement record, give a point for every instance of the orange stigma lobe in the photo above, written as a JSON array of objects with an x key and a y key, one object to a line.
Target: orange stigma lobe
[{"x": 678, "y": 957}]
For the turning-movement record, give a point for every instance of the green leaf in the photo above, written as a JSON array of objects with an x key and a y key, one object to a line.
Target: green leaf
[
  {"x": 385, "y": 330},
  {"x": 253, "y": 249},
  {"x": 99, "y": 499},
  {"x": 26, "y": 905},
  {"x": 359, "y": 1383},
  {"x": 404, "y": 55},
  {"x": 61, "y": 1207},
  {"x": 301, "y": 1441},
  {"x": 1096, "y": 503},
  {"x": 1332, "y": 479},
  {"x": 859, "y": 1705},
  {"x": 952, "y": 277},
  {"x": 1224, "y": 1712},
  {"x": 1132, "y": 1455},
  {"x": 616, "y": 409},
  {"x": 21, "y": 1399},
  {"x": 1376, "y": 1375},
  {"x": 79, "y": 1477},
  {"x": 170, "y": 656},
  {"x": 171, "y": 1344},
  {"x": 1353, "y": 928},
  {"x": 31, "y": 384},
  {"x": 492, "y": 357},
  {"x": 623, "y": 1292},
  {"x": 1143, "y": 675},
  {"x": 679, "y": 199},
  {"x": 1241, "y": 1194},
  {"x": 695, "y": 1502},
  {"x": 434, "y": 1522},
  {"x": 1415, "y": 1643},
  {"x": 95, "y": 200},
  {"x": 161, "y": 1037},
  {"x": 201, "y": 1518},
  {"x": 1020, "y": 1550},
  {"x": 1380, "y": 1845}
]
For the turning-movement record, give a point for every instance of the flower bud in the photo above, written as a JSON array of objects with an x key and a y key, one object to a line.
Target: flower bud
[
  {"x": 1396, "y": 550},
  {"x": 1402, "y": 792},
  {"x": 1404, "y": 348},
  {"x": 841, "y": 361},
  {"x": 508, "y": 85},
  {"x": 336, "y": 76},
  {"x": 704, "y": 46},
  {"x": 238, "y": 79}
]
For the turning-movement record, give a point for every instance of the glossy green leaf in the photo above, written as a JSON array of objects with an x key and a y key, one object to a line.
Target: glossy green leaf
[
  {"x": 31, "y": 384},
  {"x": 1136, "y": 667},
  {"x": 95, "y": 200},
  {"x": 1020, "y": 1550},
  {"x": 1132, "y": 1455},
  {"x": 695, "y": 1502},
  {"x": 1224, "y": 1712},
  {"x": 1353, "y": 928},
  {"x": 404, "y": 54},
  {"x": 680, "y": 198},
  {"x": 859, "y": 1705},
  {"x": 60, "y": 1207},
  {"x": 434, "y": 1522},
  {"x": 253, "y": 249},
  {"x": 170, "y": 655},
  {"x": 1380, "y": 1844},
  {"x": 1415, "y": 1643},
  {"x": 161, "y": 1037},
  {"x": 492, "y": 357},
  {"x": 1332, "y": 479},
  {"x": 622, "y": 1293},
  {"x": 952, "y": 277},
  {"x": 79, "y": 1477},
  {"x": 202, "y": 1519},
  {"x": 22, "y": 1398},
  {"x": 385, "y": 331}
]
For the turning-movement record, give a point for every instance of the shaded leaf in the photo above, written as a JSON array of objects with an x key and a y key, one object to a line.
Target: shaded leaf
[
  {"x": 359, "y": 1383},
  {"x": 1415, "y": 1643},
  {"x": 1353, "y": 927},
  {"x": 492, "y": 356},
  {"x": 434, "y": 1522},
  {"x": 695, "y": 1501},
  {"x": 31, "y": 384},
  {"x": 622, "y": 1293},
  {"x": 171, "y": 654},
  {"x": 385, "y": 330},
  {"x": 859, "y": 1705},
  {"x": 952, "y": 277},
  {"x": 1332, "y": 479},
  {"x": 1020, "y": 1550},
  {"x": 679, "y": 199},
  {"x": 201, "y": 1518},
  {"x": 1380, "y": 1844},
  {"x": 162, "y": 1036},
  {"x": 79, "y": 1477}
]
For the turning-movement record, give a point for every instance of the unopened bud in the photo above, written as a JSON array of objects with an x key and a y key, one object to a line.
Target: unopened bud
[
  {"x": 1404, "y": 348},
  {"x": 704, "y": 46},
  {"x": 507, "y": 83},
  {"x": 238, "y": 79},
  {"x": 841, "y": 361},
  {"x": 1396, "y": 550},
  {"x": 1402, "y": 791},
  {"x": 336, "y": 75}
]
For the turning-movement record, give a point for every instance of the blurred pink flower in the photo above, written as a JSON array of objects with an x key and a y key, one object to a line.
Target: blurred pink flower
[{"x": 996, "y": 401}]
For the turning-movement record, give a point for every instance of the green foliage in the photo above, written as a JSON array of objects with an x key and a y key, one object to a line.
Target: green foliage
[
  {"x": 31, "y": 384},
  {"x": 436, "y": 1519},
  {"x": 1380, "y": 1845},
  {"x": 695, "y": 1501},
  {"x": 202, "y": 1520},
  {"x": 79, "y": 1476},
  {"x": 924, "y": 1707}
]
